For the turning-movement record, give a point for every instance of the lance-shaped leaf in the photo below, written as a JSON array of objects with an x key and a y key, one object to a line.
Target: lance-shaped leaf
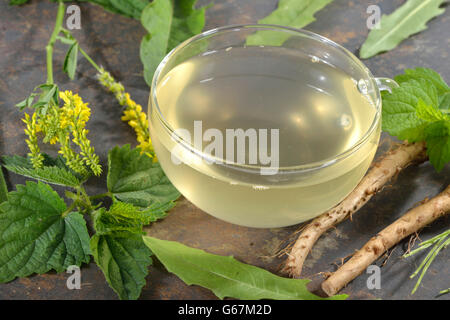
[
  {"x": 407, "y": 20},
  {"x": 290, "y": 13},
  {"x": 168, "y": 23},
  {"x": 70, "y": 62},
  {"x": 124, "y": 262},
  {"x": 226, "y": 276},
  {"x": 53, "y": 174},
  {"x": 37, "y": 235},
  {"x": 134, "y": 178}
]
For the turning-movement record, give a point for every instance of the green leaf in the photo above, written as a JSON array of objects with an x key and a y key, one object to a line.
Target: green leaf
[
  {"x": 399, "y": 109},
  {"x": 70, "y": 62},
  {"x": 124, "y": 262},
  {"x": 17, "y": 2},
  {"x": 425, "y": 74},
  {"x": 290, "y": 13},
  {"x": 168, "y": 23},
  {"x": 129, "y": 8},
  {"x": 444, "y": 101},
  {"x": 134, "y": 178},
  {"x": 429, "y": 113},
  {"x": 50, "y": 174},
  {"x": 3, "y": 188},
  {"x": 438, "y": 143},
  {"x": 225, "y": 276},
  {"x": 36, "y": 235},
  {"x": 407, "y": 20}
]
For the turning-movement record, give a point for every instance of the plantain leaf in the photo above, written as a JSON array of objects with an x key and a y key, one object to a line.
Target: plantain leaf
[
  {"x": 226, "y": 276},
  {"x": 407, "y": 20},
  {"x": 290, "y": 13}
]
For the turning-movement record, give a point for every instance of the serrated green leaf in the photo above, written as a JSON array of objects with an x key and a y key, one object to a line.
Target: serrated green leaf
[
  {"x": 70, "y": 62},
  {"x": 429, "y": 113},
  {"x": 290, "y": 13},
  {"x": 226, "y": 276},
  {"x": 407, "y": 20},
  {"x": 399, "y": 109},
  {"x": 424, "y": 74},
  {"x": 444, "y": 101},
  {"x": 50, "y": 174},
  {"x": 35, "y": 237},
  {"x": 438, "y": 143},
  {"x": 134, "y": 178},
  {"x": 168, "y": 23},
  {"x": 124, "y": 262}
]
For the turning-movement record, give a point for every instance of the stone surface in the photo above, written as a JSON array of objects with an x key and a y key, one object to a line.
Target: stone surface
[{"x": 113, "y": 41}]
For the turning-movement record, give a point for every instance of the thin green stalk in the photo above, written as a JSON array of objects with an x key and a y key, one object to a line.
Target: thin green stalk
[
  {"x": 444, "y": 291},
  {"x": 51, "y": 42},
  {"x": 429, "y": 259},
  {"x": 69, "y": 210},
  {"x": 89, "y": 59},
  {"x": 428, "y": 243}
]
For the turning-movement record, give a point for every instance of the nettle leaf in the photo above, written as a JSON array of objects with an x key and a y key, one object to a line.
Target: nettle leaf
[
  {"x": 290, "y": 13},
  {"x": 124, "y": 262},
  {"x": 226, "y": 276},
  {"x": 134, "y": 178},
  {"x": 429, "y": 113},
  {"x": 35, "y": 237},
  {"x": 124, "y": 217},
  {"x": 438, "y": 143},
  {"x": 444, "y": 101},
  {"x": 399, "y": 109},
  {"x": 51, "y": 174},
  {"x": 70, "y": 62},
  {"x": 425, "y": 74},
  {"x": 168, "y": 23},
  {"x": 407, "y": 20}
]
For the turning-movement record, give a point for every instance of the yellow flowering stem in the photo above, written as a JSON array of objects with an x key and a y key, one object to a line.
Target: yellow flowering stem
[
  {"x": 31, "y": 130},
  {"x": 132, "y": 114}
]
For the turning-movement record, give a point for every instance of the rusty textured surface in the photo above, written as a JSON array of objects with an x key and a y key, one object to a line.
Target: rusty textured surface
[{"x": 113, "y": 41}]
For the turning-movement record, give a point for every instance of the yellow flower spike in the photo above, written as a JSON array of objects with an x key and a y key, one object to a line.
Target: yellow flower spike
[{"x": 133, "y": 112}]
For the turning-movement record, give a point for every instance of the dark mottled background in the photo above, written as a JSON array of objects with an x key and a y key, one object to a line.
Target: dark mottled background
[{"x": 113, "y": 41}]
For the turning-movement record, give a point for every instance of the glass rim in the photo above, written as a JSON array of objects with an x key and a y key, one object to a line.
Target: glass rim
[{"x": 250, "y": 167}]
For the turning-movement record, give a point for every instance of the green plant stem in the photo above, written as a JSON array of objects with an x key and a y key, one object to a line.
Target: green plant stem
[
  {"x": 51, "y": 42},
  {"x": 92, "y": 62},
  {"x": 99, "y": 196},
  {"x": 69, "y": 210},
  {"x": 444, "y": 291}
]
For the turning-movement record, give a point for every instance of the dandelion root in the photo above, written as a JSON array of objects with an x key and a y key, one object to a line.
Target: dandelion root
[
  {"x": 411, "y": 222},
  {"x": 382, "y": 171}
]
